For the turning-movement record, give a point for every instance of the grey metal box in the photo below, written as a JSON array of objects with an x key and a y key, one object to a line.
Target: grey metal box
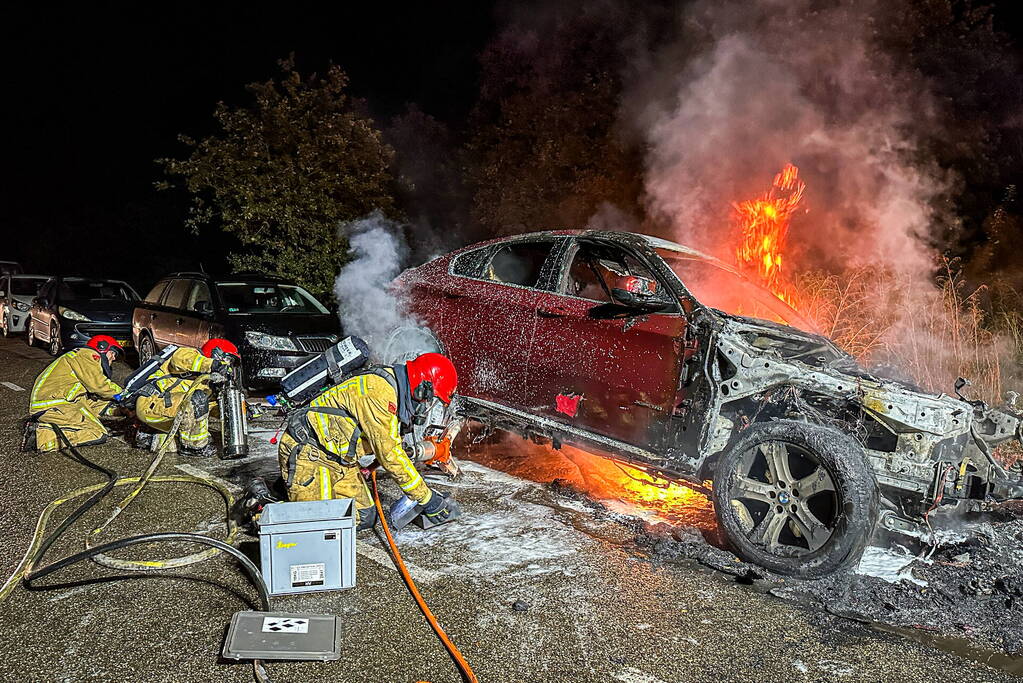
[
  {"x": 308, "y": 546},
  {"x": 282, "y": 635}
]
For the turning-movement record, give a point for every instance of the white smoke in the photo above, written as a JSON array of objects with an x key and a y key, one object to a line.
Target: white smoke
[
  {"x": 767, "y": 83},
  {"x": 369, "y": 305}
]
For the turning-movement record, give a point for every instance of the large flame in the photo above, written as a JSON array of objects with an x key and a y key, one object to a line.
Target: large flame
[{"x": 763, "y": 226}]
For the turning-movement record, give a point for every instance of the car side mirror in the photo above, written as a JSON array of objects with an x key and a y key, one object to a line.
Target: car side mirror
[
  {"x": 203, "y": 307},
  {"x": 2, "y": 293},
  {"x": 638, "y": 293}
]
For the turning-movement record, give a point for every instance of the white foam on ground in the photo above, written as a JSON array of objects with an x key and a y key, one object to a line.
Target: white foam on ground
[{"x": 888, "y": 564}]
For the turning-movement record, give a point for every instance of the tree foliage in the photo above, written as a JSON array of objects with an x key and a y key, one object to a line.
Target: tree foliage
[{"x": 284, "y": 173}]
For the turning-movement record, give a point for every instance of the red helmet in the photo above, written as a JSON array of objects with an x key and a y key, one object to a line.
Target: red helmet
[
  {"x": 436, "y": 369},
  {"x": 103, "y": 343},
  {"x": 222, "y": 344}
]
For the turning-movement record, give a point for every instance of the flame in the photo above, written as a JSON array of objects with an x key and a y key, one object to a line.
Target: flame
[
  {"x": 620, "y": 487},
  {"x": 763, "y": 226}
]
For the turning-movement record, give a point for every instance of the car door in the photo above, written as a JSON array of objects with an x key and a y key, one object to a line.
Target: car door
[
  {"x": 169, "y": 321},
  {"x": 496, "y": 312},
  {"x": 195, "y": 316},
  {"x": 41, "y": 309},
  {"x": 606, "y": 371}
]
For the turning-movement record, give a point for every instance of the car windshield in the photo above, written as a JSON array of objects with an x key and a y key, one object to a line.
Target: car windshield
[
  {"x": 245, "y": 297},
  {"x": 26, "y": 286},
  {"x": 96, "y": 290},
  {"x": 728, "y": 291}
]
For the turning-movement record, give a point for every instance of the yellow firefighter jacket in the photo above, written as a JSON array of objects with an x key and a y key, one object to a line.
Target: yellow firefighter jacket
[
  {"x": 369, "y": 426},
  {"x": 70, "y": 378},
  {"x": 170, "y": 377}
]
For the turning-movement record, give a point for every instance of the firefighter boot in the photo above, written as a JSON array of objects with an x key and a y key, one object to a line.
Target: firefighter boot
[{"x": 28, "y": 436}]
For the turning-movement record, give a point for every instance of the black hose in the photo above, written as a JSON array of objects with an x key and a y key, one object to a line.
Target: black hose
[{"x": 32, "y": 574}]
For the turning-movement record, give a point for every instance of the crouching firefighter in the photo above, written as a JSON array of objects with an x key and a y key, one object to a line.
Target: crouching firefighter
[
  {"x": 362, "y": 418},
  {"x": 182, "y": 383},
  {"x": 73, "y": 392}
]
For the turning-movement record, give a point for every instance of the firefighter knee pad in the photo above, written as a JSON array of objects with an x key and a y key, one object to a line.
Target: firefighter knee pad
[{"x": 200, "y": 404}]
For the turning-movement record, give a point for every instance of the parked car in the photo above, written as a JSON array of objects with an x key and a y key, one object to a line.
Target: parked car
[
  {"x": 16, "y": 294},
  {"x": 276, "y": 325},
  {"x": 69, "y": 310},
  {"x": 10, "y": 268},
  {"x": 662, "y": 357}
]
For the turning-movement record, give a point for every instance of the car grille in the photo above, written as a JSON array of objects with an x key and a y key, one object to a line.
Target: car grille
[{"x": 315, "y": 344}]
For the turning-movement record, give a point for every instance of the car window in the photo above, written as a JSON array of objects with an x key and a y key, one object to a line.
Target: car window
[
  {"x": 471, "y": 263},
  {"x": 154, "y": 294},
  {"x": 728, "y": 291},
  {"x": 176, "y": 293},
  {"x": 241, "y": 298},
  {"x": 597, "y": 269},
  {"x": 518, "y": 263},
  {"x": 26, "y": 286},
  {"x": 95, "y": 290},
  {"x": 200, "y": 293}
]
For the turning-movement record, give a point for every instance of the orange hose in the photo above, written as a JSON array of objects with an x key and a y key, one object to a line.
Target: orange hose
[{"x": 463, "y": 666}]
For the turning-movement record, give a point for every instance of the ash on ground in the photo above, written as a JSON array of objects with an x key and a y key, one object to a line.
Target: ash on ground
[{"x": 970, "y": 585}]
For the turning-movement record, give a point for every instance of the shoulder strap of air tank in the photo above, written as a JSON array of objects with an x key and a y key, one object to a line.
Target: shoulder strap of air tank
[{"x": 353, "y": 440}]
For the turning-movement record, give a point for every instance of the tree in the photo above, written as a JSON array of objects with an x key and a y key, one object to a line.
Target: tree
[{"x": 284, "y": 173}]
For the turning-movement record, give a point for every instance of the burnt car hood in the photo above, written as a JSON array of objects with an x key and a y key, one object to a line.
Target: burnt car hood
[
  {"x": 792, "y": 343},
  {"x": 286, "y": 324}
]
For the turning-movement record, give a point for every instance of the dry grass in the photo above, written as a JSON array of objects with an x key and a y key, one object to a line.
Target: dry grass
[{"x": 928, "y": 333}]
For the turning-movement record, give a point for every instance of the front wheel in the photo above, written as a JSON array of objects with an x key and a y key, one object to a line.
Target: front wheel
[
  {"x": 30, "y": 336},
  {"x": 55, "y": 345},
  {"x": 5, "y": 325},
  {"x": 796, "y": 498}
]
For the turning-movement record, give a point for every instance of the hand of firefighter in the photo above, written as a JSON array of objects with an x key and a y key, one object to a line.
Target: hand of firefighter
[{"x": 440, "y": 509}]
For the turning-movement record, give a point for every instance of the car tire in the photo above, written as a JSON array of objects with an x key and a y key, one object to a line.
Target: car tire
[
  {"x": 30, "y": 337},
  {"x": 814, "y": 523},
  {"x": 5, "y": 326},
  {"x": 147, "y": 349},
  {"x": 54, "y": 342}
]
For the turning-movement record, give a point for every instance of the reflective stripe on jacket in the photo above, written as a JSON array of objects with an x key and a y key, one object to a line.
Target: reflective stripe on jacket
[{"x": 70, "y": 377}]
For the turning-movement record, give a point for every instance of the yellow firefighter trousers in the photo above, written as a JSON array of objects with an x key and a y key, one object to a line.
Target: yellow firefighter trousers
[
  {"x": 320, "y": 478},
  {"x": 193, "y": 430},
  {"x": 79, "y": 420}
]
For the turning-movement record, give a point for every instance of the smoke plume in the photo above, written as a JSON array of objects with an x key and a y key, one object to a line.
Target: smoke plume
[
  {"x": 767, "y": 83},
  {"x": 367, "y": 307}
]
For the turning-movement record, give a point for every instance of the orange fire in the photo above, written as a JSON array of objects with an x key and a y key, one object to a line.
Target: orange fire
[
  {"x": 763, "y": 226},
  {"x": 618, "y": 486}
]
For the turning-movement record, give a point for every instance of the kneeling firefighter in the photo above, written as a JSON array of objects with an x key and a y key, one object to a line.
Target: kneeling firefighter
[
  {"x": 321, "y": 448},
  {"x": 73, "y": 392},
  {"x": 162, "y": 393}
]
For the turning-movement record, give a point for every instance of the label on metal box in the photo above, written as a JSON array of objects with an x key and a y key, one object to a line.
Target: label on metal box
[{"x": 308, "y": 574}]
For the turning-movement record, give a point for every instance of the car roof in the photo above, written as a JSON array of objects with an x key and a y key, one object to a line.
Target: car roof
[
  {"x": 76, "y": 278},
  {"x": 28, "y": 275},
  {"x": 244, "y": 276}
]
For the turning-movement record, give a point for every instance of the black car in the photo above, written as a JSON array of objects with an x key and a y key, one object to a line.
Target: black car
[
  {"x": 70, "y": 310},
  {"x": 275, "y": 324}
]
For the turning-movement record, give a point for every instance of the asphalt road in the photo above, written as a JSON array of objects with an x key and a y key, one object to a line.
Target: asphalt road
[{"x": 595, "y": 611}]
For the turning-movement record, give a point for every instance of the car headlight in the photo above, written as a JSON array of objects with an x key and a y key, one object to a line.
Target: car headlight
[
  {"x": 21, "y": 306},
  {"x": 270, "y": 342},
  {"x": 71, "y": 315}
]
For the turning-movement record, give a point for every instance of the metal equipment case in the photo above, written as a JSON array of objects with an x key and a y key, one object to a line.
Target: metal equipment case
[{"x": 308, "y": 546}]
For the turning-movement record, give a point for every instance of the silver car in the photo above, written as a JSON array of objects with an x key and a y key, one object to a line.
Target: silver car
[{"x": 16, "y": 294}]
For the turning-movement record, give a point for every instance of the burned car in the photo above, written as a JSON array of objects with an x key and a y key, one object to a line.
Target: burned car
[{"x": 672, "y": 362}]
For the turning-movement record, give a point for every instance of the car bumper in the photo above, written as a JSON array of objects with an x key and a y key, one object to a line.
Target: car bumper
[
  {"x": 78, "y": 334},
  {"x": 17, "y": 321}
]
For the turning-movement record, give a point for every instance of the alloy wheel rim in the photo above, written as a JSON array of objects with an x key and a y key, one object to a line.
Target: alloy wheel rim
[{"x": 785, "y": 499}]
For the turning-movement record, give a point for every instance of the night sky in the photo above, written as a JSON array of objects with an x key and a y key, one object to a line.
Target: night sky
[{"x": 94, "y": 93}]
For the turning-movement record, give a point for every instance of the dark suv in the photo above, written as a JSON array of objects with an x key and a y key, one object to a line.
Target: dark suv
[{"x": 276, "y": 325}]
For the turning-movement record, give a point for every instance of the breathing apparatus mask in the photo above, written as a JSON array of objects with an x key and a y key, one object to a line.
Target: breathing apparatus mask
[{"x": 424, "y": 401}]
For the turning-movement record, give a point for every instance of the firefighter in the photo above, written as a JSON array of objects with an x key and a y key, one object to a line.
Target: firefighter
[
  {"x": 73, "y": 392},
  {"x": 182, "y": 383},
  {"x": 319, "y": 452}
]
